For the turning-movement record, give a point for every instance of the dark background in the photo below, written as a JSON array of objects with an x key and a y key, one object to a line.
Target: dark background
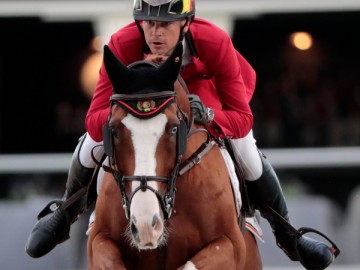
[
  {"x": 304, "y": 98},
  {"x": 42, "y": 106}
]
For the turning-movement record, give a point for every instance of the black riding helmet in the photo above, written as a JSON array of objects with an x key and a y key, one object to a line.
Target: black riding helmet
[{"x": 163, "y": 10}]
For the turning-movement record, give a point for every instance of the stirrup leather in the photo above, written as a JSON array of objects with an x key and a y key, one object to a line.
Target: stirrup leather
[{"x": 52, "y": 206}]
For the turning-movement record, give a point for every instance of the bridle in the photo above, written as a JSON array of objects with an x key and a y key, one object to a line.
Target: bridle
[{"x": 127, "y": 101}]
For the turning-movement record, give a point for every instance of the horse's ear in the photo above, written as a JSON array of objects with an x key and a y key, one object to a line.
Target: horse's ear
[
  {"x": 170, "y": 69},
  {"x": 116, "y": 70}
]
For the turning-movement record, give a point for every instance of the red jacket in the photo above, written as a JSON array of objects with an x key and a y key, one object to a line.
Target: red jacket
[{"x": 220, "y": 76}]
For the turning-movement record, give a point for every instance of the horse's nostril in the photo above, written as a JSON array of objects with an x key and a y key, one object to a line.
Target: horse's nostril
[
  {"x": 135, "y": 232},
  {"x": 155, "y": 219},
  {"x": 156, "y": 222},
  {"x": 150, "y": 245}
]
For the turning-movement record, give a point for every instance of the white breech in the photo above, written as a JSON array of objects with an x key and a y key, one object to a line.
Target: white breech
[
  {"x": 249, "y": 157},
  {"x": 88, "y": 146}
]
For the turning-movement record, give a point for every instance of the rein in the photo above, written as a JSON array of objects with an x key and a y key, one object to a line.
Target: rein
[{"x": 196, "y": 157}]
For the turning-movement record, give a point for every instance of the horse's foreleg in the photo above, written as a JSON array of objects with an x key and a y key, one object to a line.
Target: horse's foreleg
[
  {"x": 219, "y": 254},
  {"x": 104, "y": 254}
]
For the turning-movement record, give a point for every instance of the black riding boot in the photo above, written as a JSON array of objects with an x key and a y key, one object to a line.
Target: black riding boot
[
  {"x": 266, "y": 192},
  {"x": 53, "y": 226}
]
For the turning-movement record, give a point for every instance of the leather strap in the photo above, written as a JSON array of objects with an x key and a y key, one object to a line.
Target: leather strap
[{"x": 196, "y": 157}]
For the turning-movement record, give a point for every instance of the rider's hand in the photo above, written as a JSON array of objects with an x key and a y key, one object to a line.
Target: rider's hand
[
  {"x": 155, "y": 58},
  {"x": 202, "y": 114}
]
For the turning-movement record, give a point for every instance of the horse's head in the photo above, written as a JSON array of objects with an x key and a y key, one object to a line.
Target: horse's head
[{"x": 145, "y": 139}]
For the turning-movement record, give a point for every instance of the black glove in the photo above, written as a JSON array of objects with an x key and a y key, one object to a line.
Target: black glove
[{"x": 202, "y": 114}]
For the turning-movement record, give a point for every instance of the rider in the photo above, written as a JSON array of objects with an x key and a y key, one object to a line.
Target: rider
[{"x": 225, "y": 82}]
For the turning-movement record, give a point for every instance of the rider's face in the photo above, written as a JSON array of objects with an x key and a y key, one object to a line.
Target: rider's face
[{"x": 162, "y": 37}]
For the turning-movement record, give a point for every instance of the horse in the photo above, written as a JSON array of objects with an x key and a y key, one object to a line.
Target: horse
[{"x": 155, "y": 150}]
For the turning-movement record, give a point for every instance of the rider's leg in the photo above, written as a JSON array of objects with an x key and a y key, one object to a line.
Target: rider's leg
[
  {"x": 265, "y": 191},
  {"x": 54, "y": 227}
]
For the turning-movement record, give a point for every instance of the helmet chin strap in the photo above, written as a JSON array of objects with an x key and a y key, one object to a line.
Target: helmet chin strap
[
  {"x": 146, "y": 48},
  {"x": 182, "y": 33}
]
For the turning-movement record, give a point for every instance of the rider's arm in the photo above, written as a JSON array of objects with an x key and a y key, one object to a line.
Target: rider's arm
[{"x": 225, "y": 91}]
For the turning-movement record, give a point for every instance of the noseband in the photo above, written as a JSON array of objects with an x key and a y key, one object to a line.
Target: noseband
[{"x": 145, "y": 106}]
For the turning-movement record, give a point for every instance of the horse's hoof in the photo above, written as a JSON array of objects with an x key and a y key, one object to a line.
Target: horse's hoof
[{"x": 49, "y": 231}]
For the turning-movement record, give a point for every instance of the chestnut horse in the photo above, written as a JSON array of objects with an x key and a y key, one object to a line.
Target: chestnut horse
[{"x": 154, "y": 151}]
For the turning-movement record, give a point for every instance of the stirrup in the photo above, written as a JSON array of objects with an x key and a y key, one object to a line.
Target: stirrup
[
  {"x": 295, "y": 235},
  {"x": 304, "y": 230}
]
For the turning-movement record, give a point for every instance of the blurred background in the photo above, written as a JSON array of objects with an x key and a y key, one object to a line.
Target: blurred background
[{"x": 306, "y": 107}]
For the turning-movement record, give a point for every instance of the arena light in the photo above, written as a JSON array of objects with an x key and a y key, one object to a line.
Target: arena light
[
  {"x": 301, "y": 40},
  {"x": 90, "y": 70}
]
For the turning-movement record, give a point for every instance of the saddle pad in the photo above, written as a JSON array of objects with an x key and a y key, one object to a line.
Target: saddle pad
[
  {"x": 253, "y": 226},
  {"x": 251, "y": 223},
  {"x": 233, "y": 178}
]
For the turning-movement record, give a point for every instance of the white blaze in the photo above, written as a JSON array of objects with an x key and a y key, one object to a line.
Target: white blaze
[{"x": 145, "y": 135}]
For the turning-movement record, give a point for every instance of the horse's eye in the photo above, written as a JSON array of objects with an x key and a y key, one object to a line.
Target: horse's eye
[{"x": 174, "y": 130}]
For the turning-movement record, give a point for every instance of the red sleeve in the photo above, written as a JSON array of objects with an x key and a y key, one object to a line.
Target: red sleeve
[
  {"x": 250, "y": 75},
  {"x": 99, "y": 110},
  {"x": 216, "y": 51},
  {"x": 127, "y": 45}
]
